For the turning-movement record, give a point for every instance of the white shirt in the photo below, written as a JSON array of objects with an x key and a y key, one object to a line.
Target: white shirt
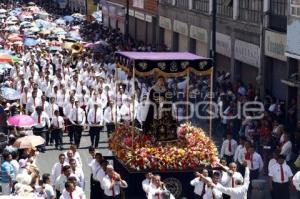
[
  {"x": 225, "y": 147},
  {"x": 272, "y": 162},
  {"x": 76, "y": 156},
  {"x": 126, "y": 112},
  {"x": 275, "y": 173},
  {"x": 32, "y": 104},
  {"x": 100, "y": 176},
  {"x": 58, "y": 122},
  {"x": 107, "y": 183},
  {"x": 109, "y": 115},
  {"x": 49, "y": 191},
  {"x": 75, "y": 195},
  {"x": 296, "y": 181},
  {"x": 199, "y": 185},
  {"x": 79, "y": 173},
  {"x": 51, "y": 108},
  {"x": 77, "y": 116},
  {"x": 212, "y": 192},
  {"x": 44, "y": 106},
  {"x": 286, "y": 150},
  {"x": 25, "y": 98},
  {"x": 153, "y": 190},
  {"x": 145, "y": 185},
  {"x": 56, "y": 171},
  {"x": 228, "y": 180},
  {"x": 67, "y": 109},
  {"x": 257, "y": 162},
  {"x": 42, "y": 120},
  {"x": 239, "y": 192},
  {"x": 240, "y": 148},
  {"x": 95, "y": 118},
  {"x": 95, "y": 167}
]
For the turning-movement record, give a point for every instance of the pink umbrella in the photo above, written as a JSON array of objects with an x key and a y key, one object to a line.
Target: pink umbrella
[{"x": 21, "y": 121}]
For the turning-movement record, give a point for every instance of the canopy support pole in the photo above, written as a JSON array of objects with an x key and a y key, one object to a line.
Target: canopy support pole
[
  {"x": 133, "y": 104},
  {"x": 211, "y": 95},
  {"x": 187, "y": 94}
]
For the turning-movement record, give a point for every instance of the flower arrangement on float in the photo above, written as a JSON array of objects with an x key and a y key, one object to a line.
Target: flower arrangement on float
[{"x": 138, "y": 152}]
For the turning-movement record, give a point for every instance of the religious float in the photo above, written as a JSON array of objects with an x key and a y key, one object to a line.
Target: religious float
[{"x": 161, "y": 144}]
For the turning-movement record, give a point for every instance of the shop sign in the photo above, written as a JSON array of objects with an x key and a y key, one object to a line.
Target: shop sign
[
  {"x": 131, "y": 12},
  {"x": 181, "y": 28},
  {"x": 139, "y": 15},
  {"x": 198, "y": 33},
  {"x": 148, "y": 18},
  {"x": 165, "y": 23},
  {"x": 223, "y": 44},
  {"x": 247, "y": 53},
  {"x": 275, "y": 45}
]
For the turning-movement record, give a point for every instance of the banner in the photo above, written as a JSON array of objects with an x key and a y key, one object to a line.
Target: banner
[{"x": 138, "y": 4}]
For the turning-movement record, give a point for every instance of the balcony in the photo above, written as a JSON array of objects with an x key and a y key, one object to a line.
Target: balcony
[
  {"x": 201, "y": 5},
  {"x": 278, "y": 15},
  {"x": 182, "y": 4},
  {"x": 224, "y": 8},
  {"x": 250, "y": 11},
  {"x": 167, "y": 2}
]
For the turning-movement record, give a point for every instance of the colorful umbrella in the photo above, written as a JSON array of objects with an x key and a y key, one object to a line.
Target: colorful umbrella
[
  {"x": 4, "y": 58},
  {"x": 30, "y": 42},
  {"x": 10, "y": 93},
  {"x": 29, "y": 142},
  {"x": 68, "y": 18},
  {"x": 21, "y": 121}
]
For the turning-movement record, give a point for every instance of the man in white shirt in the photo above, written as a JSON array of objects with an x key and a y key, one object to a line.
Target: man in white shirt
[
  {"x": 240, "y": 150},
  {"x": 95, "y": 120},
  {"x": 238, "y": 192},
  {"x": 95, "y": 181},
  {"x": 57, "y": 124},
  {"x": 280, "y": 178},
  {"x": 25, "y": 96},
  {"x": 157, "y": 188},
  {"x": 77, "y": 118},
  {"x": 286, "y": 147},
  {"x": 274, "y": 159},
  {"x": 296, "y": 183},
  {"x": 70, "y": 192},
  {"x": 61, "y": 180},
  {"x": 72, "y": 153},
  {"x": 147, "y": 182},
  {"x": 212, "y": 192},
  {"x": 228, "y": 148},
  {"x": 77, "y": 171},
  {"x": 57, "y": 168},
  {"x": 112, "y": 184},
  {"x": 52, "y": 107},
  {"x": 50, "y": 194},
  {"x": 254, "y": 163},
  {"x": 110, "y": 118},
  {"x": 42, "y": 125},
  {"x": 199, "y": 184},
  {"x": 32, "y": 103},
  {"x": 231, "y": 176},
  {"x": 67, "y": 110}
]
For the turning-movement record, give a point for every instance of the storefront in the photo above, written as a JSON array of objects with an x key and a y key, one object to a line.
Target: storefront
[
  {"x": 223, "y": 48},
  {"x": 183, "y": 36},
  {"x": 275, "y": 63},
  {"x": 247, "y": 62},
  {"x": 166, "y": 31},
  {"x": 198, "y": 41},
  {"x": 114, "y": 16}
]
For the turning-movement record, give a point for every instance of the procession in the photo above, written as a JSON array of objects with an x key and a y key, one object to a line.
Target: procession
[{"x": 170, "y": 120}]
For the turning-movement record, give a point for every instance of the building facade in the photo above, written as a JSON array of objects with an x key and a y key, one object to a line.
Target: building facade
[{"x": 142, "y": 18}]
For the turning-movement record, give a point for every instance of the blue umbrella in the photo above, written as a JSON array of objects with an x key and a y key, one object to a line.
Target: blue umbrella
[
  {"x": 30, "y": 42},
  {"x": 68, "y": 18},
  {"x": 10, "y": 94}
]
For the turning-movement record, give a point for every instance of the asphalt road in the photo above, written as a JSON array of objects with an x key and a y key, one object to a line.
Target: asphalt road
[{"x": 46, "y": 160}]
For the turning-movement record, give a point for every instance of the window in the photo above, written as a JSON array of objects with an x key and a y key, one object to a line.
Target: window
[
  {"x": 278, "y": 7},
  {"x": 201, "y": 5},
  {"x": 167, "y": 2},
  {"x": 250, "y": 10},
  {"x": 224, "y": 8},
  {"x": 295, "y": 8}
]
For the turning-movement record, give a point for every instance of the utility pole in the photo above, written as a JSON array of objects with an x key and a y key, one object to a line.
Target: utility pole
[{"x": 127, "y": 21}]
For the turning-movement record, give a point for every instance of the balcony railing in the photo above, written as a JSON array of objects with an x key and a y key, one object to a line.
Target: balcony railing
[
  {"x": 250, "y": 10},
  {"x": 201, "y": 5},
  {"x": 167, "y": 2},
  {"x": 184, "y": 4},
  {"x": 224, "y": 8}
]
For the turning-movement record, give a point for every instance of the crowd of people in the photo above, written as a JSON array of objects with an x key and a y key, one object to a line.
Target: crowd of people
[{"x": 68, "y": 93}]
